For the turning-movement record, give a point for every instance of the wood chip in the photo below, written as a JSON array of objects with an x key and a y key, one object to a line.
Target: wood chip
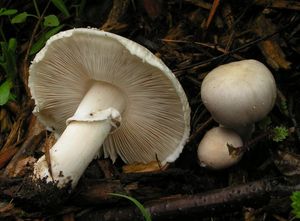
[
  {"x": 270, "y": 48},
  {"x": 141, "y": 167}
]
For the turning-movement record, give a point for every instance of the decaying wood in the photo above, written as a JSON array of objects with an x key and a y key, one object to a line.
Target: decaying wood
[
  {"x": 6, "y": 155},
  {"x": 5, "y": 123},
  {"x": 16, "y": 130},
  {"x": 227, "y": 199},
  {"x": 12, "y": 170},
  {"x": 15, "y": 137},
  {"x": 33, "y": 136},
  {"x": 141, "y": 185},
  {"x": 286, "y": 4},
  {"x": 200, "y": 3},
  {"x": 270, "y": 47},
  {"x": 113, "y": 21},
  {"x": 161, "y": 204}
]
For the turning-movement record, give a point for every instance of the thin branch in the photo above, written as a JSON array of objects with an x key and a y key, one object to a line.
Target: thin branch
[
  {"x": 249, "y": 44},
  {"x": 25, "y": 68},
  {"x": 215, "y": 202}
]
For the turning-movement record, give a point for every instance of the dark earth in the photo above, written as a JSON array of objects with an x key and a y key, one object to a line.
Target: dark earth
[{"x": 192, "y": 37}]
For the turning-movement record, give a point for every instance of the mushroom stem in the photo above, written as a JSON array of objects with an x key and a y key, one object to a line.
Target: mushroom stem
[{"x": 84, "y": 135}]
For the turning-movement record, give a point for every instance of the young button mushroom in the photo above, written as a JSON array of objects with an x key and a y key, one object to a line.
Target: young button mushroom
[
  {"x": 95, "y": 89},
  {"x": 213, "y": 149},
  {"x": 239, "y": 93}
]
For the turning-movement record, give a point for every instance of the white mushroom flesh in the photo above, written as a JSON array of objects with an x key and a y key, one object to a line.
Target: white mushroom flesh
[{"x": 98, "y": 113}]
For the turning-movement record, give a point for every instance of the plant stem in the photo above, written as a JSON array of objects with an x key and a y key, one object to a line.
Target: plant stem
[
  {"x": 36, "y": 8},
  {"x": 2, "y": 33},
  {"x": 24, "y": 72}
]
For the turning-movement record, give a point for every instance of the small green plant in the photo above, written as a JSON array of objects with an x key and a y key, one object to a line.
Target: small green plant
[
  {"x": 49, "y": 25},
  {"x": 280, "y": 134},
  {"x": 49, "y": 21},
  {"x": 8, "y": 65},
  {"x": 295, "y": 197},
  {"x": 143, "y": 210}
]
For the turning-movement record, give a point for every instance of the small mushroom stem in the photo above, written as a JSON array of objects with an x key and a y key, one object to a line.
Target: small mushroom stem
[
  {"x": 245, "y": 132},
  {"x": 84, "y": 135}
]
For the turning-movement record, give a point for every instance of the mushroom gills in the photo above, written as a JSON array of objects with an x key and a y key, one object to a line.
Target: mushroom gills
[{"x": 97, "y": 115}]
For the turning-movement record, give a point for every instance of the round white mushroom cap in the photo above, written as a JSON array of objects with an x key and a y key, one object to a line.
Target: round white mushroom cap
[
  {"x": 240, "y": 93},
  {"x": 213, "y": 149},
  {"x": 156, "y": 121}
]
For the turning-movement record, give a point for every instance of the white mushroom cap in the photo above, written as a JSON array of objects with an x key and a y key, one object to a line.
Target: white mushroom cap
[
  {"x": 213, "y": 149},
  {"x": 239, "y": 93},
  {"x": 155, "y": 123}
]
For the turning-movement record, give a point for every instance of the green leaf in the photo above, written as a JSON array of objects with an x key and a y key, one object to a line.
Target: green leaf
[
  {"x": 19, "y": 18},
  {"x": 5, "y": 91},
  {"x": 61, "y": 6},
  {"x": 42, "y": 40},
  {"x": 4, "y": 11},
  {"x": 296, "y": 203},
  {"x": 51, "y": 21},
  {"x": 12, "y": 44},
  {"x": 280, "y": 134},
  {"x": 143, "y": 210},
  {"x": 8, "y": 57}
]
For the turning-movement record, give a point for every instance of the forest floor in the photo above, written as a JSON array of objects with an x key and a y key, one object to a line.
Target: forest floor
[{"x": 191, "y": 37}]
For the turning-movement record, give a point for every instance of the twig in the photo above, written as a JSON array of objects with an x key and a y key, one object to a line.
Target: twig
[
  {"x": 208, "y": 45},
  {"x": 24, "y": 77},
  {"x": 212, "y": 12},
  {"x": 213, "y": 202},
  {"x": 249, "y": 44},
  {"x": 200, "y": 129},
  {"x": 293, "y": 117}
]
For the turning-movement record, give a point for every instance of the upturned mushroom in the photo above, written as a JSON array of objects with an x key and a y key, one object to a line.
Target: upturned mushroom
[
  {"x": 213, "y": 150},
  {"x": 239, "y": 94},
  {"x": 100, "y": 92}
]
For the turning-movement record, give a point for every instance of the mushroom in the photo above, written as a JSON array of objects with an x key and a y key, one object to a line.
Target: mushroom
[
  {"x": 97, "y": 89},
  {"x": 213, "y": 149},
  {"x": 245, "y": 132},
  {"x": 239, "y": 93}
]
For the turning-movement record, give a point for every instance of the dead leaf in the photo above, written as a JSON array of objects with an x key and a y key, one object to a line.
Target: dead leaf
[
  {"x": 153, "y": 8},
  {"x": 118, "y": 10},
  {"x": 6, "y": 207},
  {"x": 69, "y": 217},
  {"x": 142, "y": 168},
  {"x": 6, "y": 155},
  {"x": 287, "y": 163}
]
